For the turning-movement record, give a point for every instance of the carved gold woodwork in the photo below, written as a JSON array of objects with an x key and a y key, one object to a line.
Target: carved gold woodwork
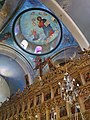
[{"x": 24, "y": 104}]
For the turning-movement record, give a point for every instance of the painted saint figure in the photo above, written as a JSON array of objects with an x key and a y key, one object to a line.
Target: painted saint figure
[
  {"x": 35, "y": 34},
  {"x": 5, "y": 36},
  {"x": 45, "y": 24}
]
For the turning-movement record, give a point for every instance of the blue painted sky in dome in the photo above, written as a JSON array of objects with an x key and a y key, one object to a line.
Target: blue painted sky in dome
[{"x": 67, "y": 39}]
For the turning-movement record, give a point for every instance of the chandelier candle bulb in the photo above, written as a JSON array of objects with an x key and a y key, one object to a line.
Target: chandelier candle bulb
[
  {"x": 77, "y": 85},
  {"x": 59, "y": 83},
  {"x": 73, "y": 80}
]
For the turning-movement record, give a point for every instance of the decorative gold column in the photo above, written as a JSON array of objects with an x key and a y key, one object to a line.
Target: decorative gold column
[
  {"x": 7, "y": 113},
  {"x": 23, "y": 105},
  {"x": 39, "y": 116},
  {"x": 52, "y": 93},
  {"x": 82, "y": 79},
  {"x": 28, "y": 104},
  {"x": 68, "y": 108},
  {"x": 57, "y": 113},
  {"x": 4, "y": 118},
  {"x": 82, "y": 106},
  {"x": 30, "y": 115},
  {"x": 47, "y": 114},
  {"x": 18, "y": 106},
  {"x": 42, "y": 97},
  {"x": 13, "y": 110},
  {"x": 34, "y": 100}
]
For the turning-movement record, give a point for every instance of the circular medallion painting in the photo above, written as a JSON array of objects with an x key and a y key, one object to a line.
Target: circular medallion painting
[{"x": 37, "y": 31}]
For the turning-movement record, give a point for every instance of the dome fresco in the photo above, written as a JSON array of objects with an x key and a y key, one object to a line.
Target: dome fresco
[{"x": 37, "y": 28}]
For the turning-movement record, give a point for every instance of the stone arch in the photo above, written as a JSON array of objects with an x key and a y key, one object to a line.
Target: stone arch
[{"x": 19, "y": 58}]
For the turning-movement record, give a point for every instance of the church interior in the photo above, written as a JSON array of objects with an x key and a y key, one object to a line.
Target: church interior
[{"x": 44, "y": 60}]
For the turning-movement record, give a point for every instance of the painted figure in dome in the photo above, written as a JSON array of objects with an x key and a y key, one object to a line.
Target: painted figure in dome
[
  {"x": 5, "y": 36},
  {"x": 45, "y": 24},
  {"x": 35, "y": 35}
]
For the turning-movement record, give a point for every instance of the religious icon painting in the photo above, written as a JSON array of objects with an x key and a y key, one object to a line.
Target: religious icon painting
[{"x": 38, "y": 27}]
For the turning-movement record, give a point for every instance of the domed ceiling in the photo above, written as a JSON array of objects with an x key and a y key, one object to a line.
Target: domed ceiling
[
  {"x": 37, "y": 31},
  {"x": 25, "y": 35}
]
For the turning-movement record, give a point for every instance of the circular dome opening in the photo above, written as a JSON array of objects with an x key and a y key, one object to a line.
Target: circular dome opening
[{"x": 37, "y": 31}]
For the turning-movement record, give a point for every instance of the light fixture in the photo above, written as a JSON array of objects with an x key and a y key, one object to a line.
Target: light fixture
[
  {"x": 53, "y": 114},
  {"x": 69, "y": 91},
  {"x": 36, "y": 116},
  {"x": 69, "y": 88}
]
